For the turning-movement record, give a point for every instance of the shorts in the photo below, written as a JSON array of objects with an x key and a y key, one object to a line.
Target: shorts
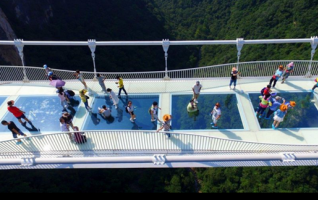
[
  {"x": 196, "y": 96},
  {"x": 16, "y": 135},
  {"x": 132, "y": 113},
  {"x": 276, "y": 118},
  {"x": 215, "y": 121},
  {"x": 22, "y": 116}
]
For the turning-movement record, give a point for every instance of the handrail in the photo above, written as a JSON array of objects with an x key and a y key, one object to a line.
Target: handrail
[{"x": 134, "y": 142}]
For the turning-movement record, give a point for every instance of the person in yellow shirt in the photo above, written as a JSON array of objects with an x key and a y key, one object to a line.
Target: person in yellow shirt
[
  {"x": 120, "y": 85},
  {"x": 82, "y": 94}
]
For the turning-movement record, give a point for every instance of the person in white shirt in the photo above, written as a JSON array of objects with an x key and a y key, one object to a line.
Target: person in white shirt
[
  {"x": 196, "y": 91},
  {"x": 216, "y": 114},
  {"x": 130, "y": 110},
  {"x": 104, "y": 111},
  {"x": 65, "y": 127},
  {"x": 113, "y": 97},
  {"x": 154, "y": 111}
]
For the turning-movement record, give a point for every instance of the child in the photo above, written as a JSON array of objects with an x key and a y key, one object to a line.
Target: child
[
  {"x": 104, "y": 111},
  {"x": 279, "y": 116},
  {"x": 113, "y": 97},
  {"x": 216, "y": 114}
]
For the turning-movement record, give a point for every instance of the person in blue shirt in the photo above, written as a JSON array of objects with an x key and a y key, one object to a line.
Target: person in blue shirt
[
  {"x": 279, "y": 115},
  {"x": 277, "y": 75},
  {"x": 275, "y": 106}
]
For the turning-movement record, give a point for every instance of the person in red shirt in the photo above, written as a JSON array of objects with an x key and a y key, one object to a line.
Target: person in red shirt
[{"x": 19, "y": 114}]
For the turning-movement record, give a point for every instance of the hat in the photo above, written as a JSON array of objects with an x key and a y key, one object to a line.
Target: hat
[
  {"x": 273, "y": 94},
  {"x": 50, "y": 73},
  {"x": 166, "y": 117},
  {"x": 198, "y": 82},
  {"x": 292, "y": 103},
  {"x": 283, "y": 107},
  {"x": 291, "y": 64},
  {"x": 281, "y": 66},
  {"x": 45, "y": 66}
]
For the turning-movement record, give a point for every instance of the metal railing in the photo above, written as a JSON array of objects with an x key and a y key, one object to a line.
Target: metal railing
[
  {"x": 137, "y": 142},
  {"x": 247, "y": 69}
]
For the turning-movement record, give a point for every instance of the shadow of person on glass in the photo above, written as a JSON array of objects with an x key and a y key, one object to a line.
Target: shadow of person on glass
[
  {"x": 109, "y": 120},
  {"x": 95, "y": 118},
  {"x": 74, "y": 102},
  {"x": 108, "y": 102},
  {"x": 72, "y": 111},
  {"x": 135, "y": 126},
  {"x": 119, "y": 114},
  {"x": 33, "y": 129},
  {"x": 124, "y": 100}
]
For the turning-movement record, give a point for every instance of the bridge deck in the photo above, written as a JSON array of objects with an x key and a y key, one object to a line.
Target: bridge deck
[{"x": 251, "y": 131}]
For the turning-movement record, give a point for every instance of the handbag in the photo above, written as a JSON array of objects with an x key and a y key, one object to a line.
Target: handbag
[
  {"x": 87, "y": 97},
  {"x": 274, "y": 77}
]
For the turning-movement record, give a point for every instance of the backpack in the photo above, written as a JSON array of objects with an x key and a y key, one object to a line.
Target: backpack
[
  {"x": 262, "y": 91},
  {"x": 71, "y": 93}
]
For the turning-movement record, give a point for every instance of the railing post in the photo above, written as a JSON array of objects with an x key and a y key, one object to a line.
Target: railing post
[
  {"x": 314, "y": 42},
  {"x": 92, "y": 46},
  {"x": 19, "y": 45},
  {"x": 165, "y": 45},
  {"x": 239, "y": 46}
]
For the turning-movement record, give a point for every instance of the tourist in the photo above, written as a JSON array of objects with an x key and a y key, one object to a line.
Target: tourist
[
  {"x": 19, "y": 114},
  {"x": 53, "y": 76},
  {"x": 192, "y": 106},
  {"x": 113, "y": 97},
  {"x": 68, "y": 119},
  {"x": 315, "y": 86},
  {"x": 101, "y": 80},
  {"x": 291, "y": 104},
  {"x": 82, "y": 94},
  {"x": 104, "y": 111},
  {"x": 80, "y": 77},
  {"x": 216, "y": 114},
  {"x": 277, "y": 75},
  {"x": 15, "y": 130},
  {"x": 234, "y": 74},
  {"x": 154, "y": 111},
  {"x": 166, "y": 125},
  {"x": 289, "y": 69},
  {"x": 279, "y": 115},
  {"x": 275, "y": 105},
  {"x": 266, "y": 91},
  {"x": 65, "y": 128},
  {"x": 196, "y": 91},
  {"x": 265, "y": 102},
  {"x": 120, "y": 85},
  {"x": 63, "y": 99},
  {"x": 130, "y": 110}
]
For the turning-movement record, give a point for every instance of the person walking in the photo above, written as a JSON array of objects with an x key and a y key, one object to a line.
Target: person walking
[
  {"x": 68, "y": 119},
  {"x": 277, "y": 75},
  {"x": 120, "y": 85},
  {"x": 130, "y": 110},
  {"x": 19, "y": 114},
  {"x": 196, "y": 91},
  {"x": 104, "y": 111},
  {"x": 101, "y": 80},
  {"x": 234, "y": 74},
  {"x": 63, "y": 99},
  {"x": 80, "y": 77},
  {"x": 275, "y": 105},
  {"x": 15, "y": 131},
  {"x": 154, "y": 111},
  {"x": 279, "y": 116},
  {"x": 315, "y": 86},
  {"x": 216, "y": 114},
  {"x": 166, "y": 125},
  {"x": 84, "y": 98},
  {"x": 289, "y": 69},
  {"x": 113, "y": 97}
]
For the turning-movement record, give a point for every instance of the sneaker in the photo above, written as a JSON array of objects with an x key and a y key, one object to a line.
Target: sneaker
[
  {"x": 18, "y": 143},
  {"x": 131, "y": 120},
  {"x": 153, "y": 120},
  {"x": 260, "y": 116},
  {"x": 212, "y": 123},
  {"x": 99, "y": 108},
  {"x": 214, "y": 127},
  {"x": 234, "y": 88},
  {"x": 273, "y": 127},
  {"x": 230, "y": 87},
  {"x": 116, "y": 107}
]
